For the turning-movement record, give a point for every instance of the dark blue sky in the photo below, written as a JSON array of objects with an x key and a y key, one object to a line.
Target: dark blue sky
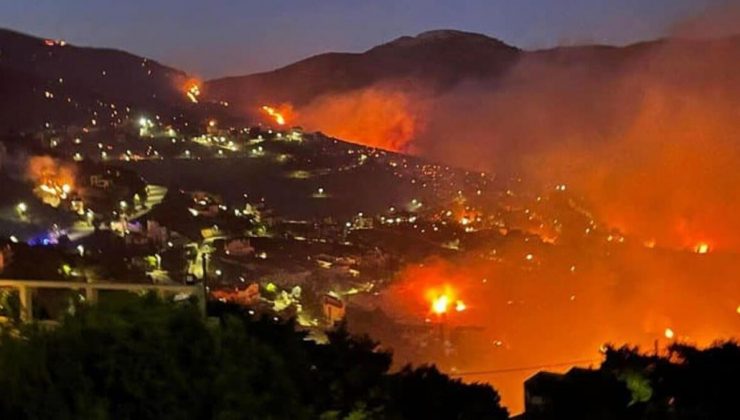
[{"x": 226, "y": 37}]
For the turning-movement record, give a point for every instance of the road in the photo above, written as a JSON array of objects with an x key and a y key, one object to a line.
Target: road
[{"x": 155, "y": 196}]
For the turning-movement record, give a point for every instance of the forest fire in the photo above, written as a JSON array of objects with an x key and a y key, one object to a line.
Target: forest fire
[
  {"x": 440, "y": 304},
  {"x": 545, "y": 314},
  {"x": 702, "y": 248},
  {"x": 276, "y": 115},
  {"x": 192, "y": 90},
  {"x": 443, "y": 303},
  {"x": 54, "y": 181},
  {"x": 442, "y": 299},
  {"x": 376, "y": 117}
]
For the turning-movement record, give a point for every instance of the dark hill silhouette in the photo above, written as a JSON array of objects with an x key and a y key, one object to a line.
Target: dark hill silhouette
[
  {"x": 83, "y": 81},
  {"x": 92, "y": 79},
  {"x": 437, "y": 59}
]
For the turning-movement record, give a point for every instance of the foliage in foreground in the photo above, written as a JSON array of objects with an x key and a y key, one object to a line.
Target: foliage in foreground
[
  {"x": 685, "y": 383},
  {"x": 141, "y": 358}
]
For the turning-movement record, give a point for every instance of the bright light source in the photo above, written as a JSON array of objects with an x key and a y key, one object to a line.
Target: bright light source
[
  {"x": 440, "y": 304},
  {"x": 669, "y": 334},
  {"x": 278, "y": 117},
  {"x": 702, "y": 248}
]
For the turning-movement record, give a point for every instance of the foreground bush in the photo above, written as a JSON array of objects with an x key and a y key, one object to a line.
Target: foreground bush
[{"x": 141, "y": 358}]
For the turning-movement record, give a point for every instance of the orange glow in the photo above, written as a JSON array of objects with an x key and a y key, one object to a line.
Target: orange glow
[
  {"x": 278, "y": 115},
  {"x": 702, "y": 248},
  {"x": 376, "y": 117},
  {"x": 440, "y": 304},
  {"x": 54, "y": 180},
  {"x": 192, "y": 90},
  {"x": 460, "y": 306},
  {"x": 531, "y": 308}
]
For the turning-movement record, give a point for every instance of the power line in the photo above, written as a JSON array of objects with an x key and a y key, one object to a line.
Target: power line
[{"x": 521, "y": 369}]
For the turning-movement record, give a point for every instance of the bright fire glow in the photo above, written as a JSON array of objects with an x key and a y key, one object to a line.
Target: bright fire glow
[
  {"x": 669, "y": 334},
  {"x": 460, "y": 306},
  {"x": 192, "y": 90},
  {"x": 444, "y": 299},
  {"x": 440, "y": 304},
  {"x": 384, "y": 117},
  {"x": 702, "y": 248},
  {"x": 272, "y": 112},
  {"x": 54, "y": 180}
]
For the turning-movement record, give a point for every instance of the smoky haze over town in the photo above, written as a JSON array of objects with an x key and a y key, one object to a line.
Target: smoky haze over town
[{"x": 437, "y": 223}]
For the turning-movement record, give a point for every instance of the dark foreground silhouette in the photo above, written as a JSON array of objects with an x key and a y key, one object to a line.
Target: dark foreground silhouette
[{"x": 141, "y": 358}]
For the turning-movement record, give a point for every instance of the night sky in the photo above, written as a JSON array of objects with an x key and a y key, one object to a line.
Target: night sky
[{"x": 214, "y": 38}]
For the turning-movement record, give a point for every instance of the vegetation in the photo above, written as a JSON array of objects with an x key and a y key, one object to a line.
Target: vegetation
[
  {"x": 142, "y": 358},
  {"x": 685, "y": 383}
]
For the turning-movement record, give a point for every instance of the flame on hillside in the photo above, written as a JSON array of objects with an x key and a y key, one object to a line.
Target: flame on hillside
[
  {"x": 54, "y": 181},
  {"x": 380, "y": 117},
  {"x": 279, "y": 114},
  {"x": 192, "y": 90}
]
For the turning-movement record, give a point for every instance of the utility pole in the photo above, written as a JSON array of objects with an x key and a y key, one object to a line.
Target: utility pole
[
  {"x": 204, "y": 262},
  {"x": 656, "y": 348}
]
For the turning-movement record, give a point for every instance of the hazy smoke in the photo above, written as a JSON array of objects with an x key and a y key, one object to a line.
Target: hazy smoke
[
  {"x": 380, "y": 116},
  {"x": 720, "y": 20},
  {"x": 647, "y": 135},
  {"x": 543, "y": 312}
]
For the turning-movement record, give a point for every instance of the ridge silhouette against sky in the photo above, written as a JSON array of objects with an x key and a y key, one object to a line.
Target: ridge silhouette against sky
[{"x": 227, "y": 37}]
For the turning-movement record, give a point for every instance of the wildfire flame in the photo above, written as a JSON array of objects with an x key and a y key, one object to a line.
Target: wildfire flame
[
  {"x": 192, "y": 90},
  {"x": 54, "y": 180},
  {"x": 272, "y": 112},
  {"x": 440, "y": 304},
  {"x": 702, "y": 248},
  {"x": 460, "y": 306}
]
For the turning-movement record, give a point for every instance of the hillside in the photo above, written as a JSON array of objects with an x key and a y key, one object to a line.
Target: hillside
[
  {"x": 43, "y": 80},
  {"x": 435, "y": 59},
  {"x": 441, "y": 59}
]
